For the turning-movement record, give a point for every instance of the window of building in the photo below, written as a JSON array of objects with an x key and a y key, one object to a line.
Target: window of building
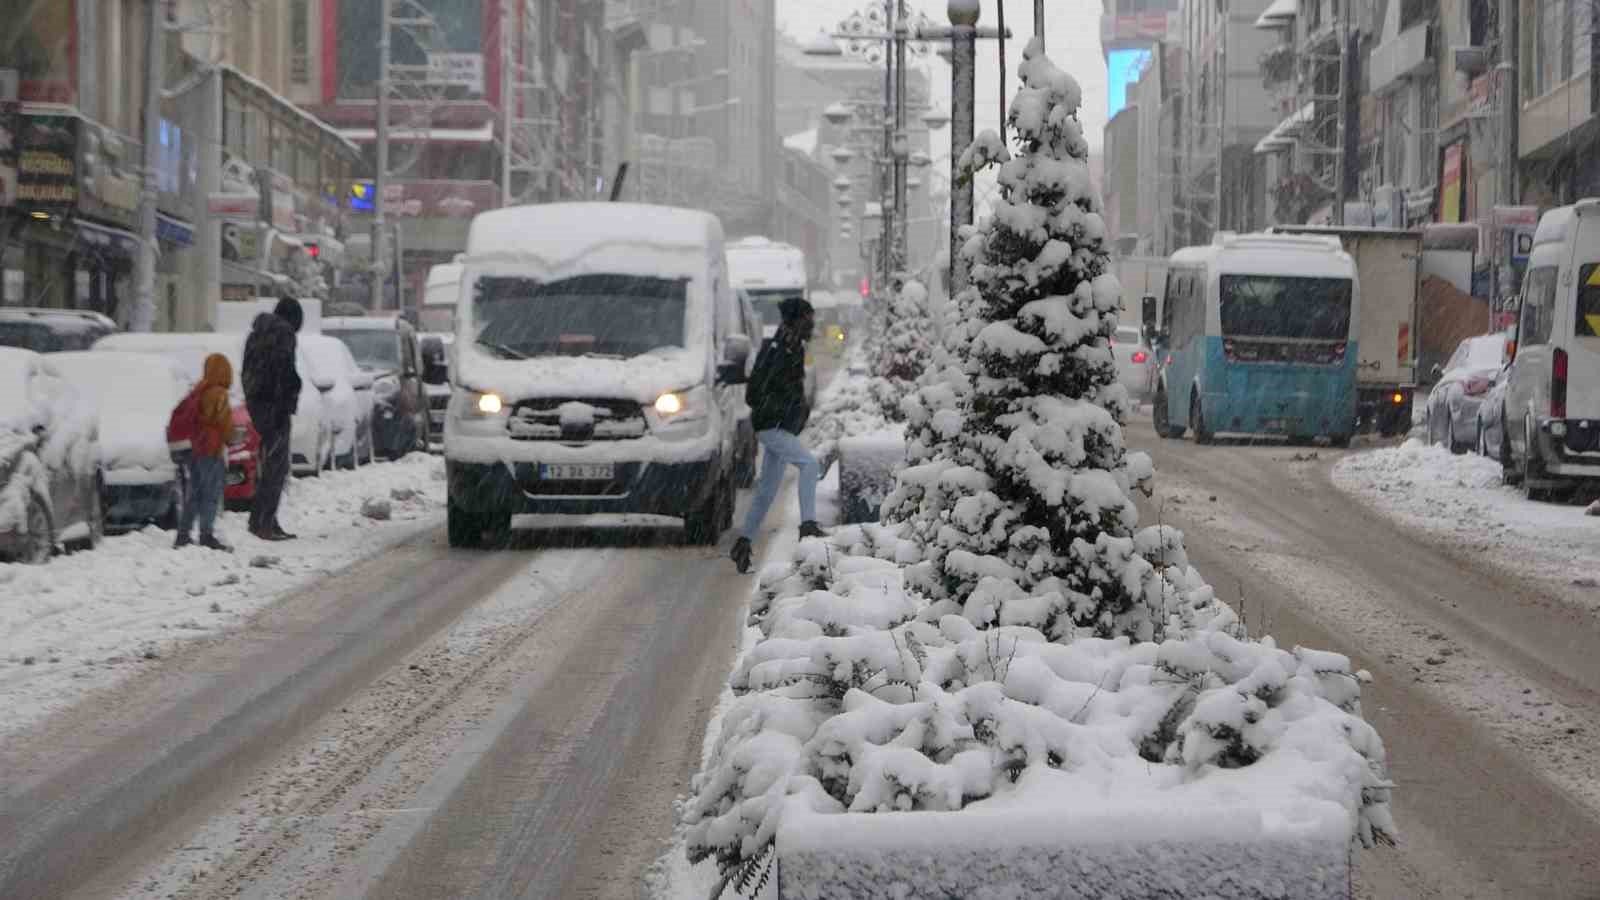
[
  {"x": 1427, "y": 130},
  {"x": 300, "y": 41}
]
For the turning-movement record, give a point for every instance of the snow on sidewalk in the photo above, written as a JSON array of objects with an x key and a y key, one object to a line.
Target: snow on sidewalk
[
  {"x": 1459, "y": 501},
  {"x": 87, "y": 620}
]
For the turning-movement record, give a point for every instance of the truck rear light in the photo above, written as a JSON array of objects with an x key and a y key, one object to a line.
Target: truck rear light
[
  {"x": 1558, "y": 384},
  {"x": 1398, "y": 398}
]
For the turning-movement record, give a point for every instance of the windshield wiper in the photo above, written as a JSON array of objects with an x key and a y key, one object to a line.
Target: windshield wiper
[{"x": 502, "y": 351}]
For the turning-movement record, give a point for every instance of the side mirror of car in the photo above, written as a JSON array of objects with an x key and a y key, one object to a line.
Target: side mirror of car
[
  {"x": 434, "y": 372},
  {"x": 736, "y": 350}
]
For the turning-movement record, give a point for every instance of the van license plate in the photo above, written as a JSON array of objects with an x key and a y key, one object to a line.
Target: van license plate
[{"x": 577, "y": 471}]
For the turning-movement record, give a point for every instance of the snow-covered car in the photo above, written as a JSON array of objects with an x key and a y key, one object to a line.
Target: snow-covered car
[
  {"x": 593, "y": 378},
  {"x": 386, "y": 347},
  {"x": 1462, "y": 382},
  {"x": 49, "y": 460},
  {"x": 52, "y": 330},
  {"x": 133, "y": 395},
  {"x": 1491, "y": 418},
  {"x": 346, "y": 396},
  {"x": 436, "y": 382},
  {"x": 1136, "y": 363},
  {"x": 310, "y": 434}
]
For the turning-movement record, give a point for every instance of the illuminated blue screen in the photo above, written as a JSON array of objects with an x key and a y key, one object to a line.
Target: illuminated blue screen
[{"x": 1122, "y": 70}]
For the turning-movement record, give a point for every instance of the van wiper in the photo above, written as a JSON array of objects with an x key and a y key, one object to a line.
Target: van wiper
[{"x": 501, "y": 350}]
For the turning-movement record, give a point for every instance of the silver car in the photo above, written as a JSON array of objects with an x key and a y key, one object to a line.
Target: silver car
[
  {"x": 1136, "y": 363},
  {"x": 1463, "y": 382}
]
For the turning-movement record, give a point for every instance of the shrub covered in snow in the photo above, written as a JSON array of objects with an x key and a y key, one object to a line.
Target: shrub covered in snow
[
  {"x": 907, "y": 350},
  {"x": 1012, "y": 640}
]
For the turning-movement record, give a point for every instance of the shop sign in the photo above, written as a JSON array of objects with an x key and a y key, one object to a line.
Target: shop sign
[
  {"x": 1451, "y": 183},
  {"x": 174, "y": 231},
  {"x": 47, "y": 162},
  {"x": 109, "y": 180},
  {"x": 463, "y": 70},
  {"x": 238, "y": 198}
]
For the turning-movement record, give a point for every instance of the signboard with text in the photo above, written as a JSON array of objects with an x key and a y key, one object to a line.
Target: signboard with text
[
  {"x": 463, "y": 70},
  {"x": 47, "y": 162}
]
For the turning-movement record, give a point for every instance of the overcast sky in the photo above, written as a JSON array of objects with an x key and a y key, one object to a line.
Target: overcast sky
[{"x": 1072, "y": 38}]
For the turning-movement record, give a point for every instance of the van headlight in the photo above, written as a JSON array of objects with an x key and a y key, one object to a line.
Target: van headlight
[
  {"x": 477, "y": 405},
  {"x": 678, "y": 415}
]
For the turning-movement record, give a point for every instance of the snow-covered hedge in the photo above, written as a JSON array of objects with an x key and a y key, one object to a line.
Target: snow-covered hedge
[{"x": 1013, "y": 645}]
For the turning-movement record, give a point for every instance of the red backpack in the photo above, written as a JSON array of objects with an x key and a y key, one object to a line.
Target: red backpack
[{"x": 184, "y": 425}]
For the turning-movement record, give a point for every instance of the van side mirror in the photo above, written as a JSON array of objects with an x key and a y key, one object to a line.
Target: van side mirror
[
  {"x": 735, "y": 354},
  {"x": 1147, "y": 313}
]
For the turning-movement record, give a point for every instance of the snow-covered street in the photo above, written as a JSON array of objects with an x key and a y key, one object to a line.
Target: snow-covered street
[{"x": 1459, "y": 597}]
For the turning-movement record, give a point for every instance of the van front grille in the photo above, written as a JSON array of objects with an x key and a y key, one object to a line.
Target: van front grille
[{"x": 576, "y": 421}]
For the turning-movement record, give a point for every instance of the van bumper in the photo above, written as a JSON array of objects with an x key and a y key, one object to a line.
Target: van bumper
[
  {"x": 1570, "y": 448},
  {"x": 648, "y": 488}
]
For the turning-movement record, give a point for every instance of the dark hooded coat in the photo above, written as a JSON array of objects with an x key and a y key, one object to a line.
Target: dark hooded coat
[{"x": 271, "y": 384}]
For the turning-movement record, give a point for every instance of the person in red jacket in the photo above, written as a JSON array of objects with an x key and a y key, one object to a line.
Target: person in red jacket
[{"x": 209, "y": 462}]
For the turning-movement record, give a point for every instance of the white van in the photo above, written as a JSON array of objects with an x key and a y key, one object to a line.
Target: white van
[
  {"x": 1552, "y": 402},
  {"x": 595, "y": 372}
]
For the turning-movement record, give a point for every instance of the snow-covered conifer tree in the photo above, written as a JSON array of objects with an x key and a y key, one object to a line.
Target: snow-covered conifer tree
[{"x": 907, "y": 348}]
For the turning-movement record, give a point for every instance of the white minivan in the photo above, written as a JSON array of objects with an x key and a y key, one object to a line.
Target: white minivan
[
  {"x": 1552, "y": 401},
  {"x": 595, "y": 372}
]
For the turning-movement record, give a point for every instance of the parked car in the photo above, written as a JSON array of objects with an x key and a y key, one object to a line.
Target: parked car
[
  {"x": 599, "y": 392},
  {"x": 347, "y": 398},
  {"x": 1552, "y": 403},
  {"x": 52, "y": 330},
  {"x": 436, "y": 382},
  {"x": 1491, "y": 421},
  {"x": 1460, "y": 387},
  {"x": 190, "y": 350},
  {"x": 49, "y": 460},
  {"x": 1136, "y": 363},
  {"x": 386, "y": 347},
  {"x": 133, "y": 395}
]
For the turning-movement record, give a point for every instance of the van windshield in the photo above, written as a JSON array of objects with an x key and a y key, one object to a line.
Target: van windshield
[
  {"x": 767, "y": 303},
  {"x": 1283, "y": 306},
  {"x": 589, "y": 315}
]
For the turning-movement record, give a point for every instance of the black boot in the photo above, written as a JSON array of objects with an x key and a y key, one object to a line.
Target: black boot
[
  {"x": 741, "y": 555},
  {"x": 183, "y": 540},
  {"x": 811, "y": 530},
  {"x": 210, "y": 542}
]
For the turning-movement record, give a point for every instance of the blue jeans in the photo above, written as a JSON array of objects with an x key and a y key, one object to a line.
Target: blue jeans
[
  {"x": 205, "y": 494},
  {"x": 782, "y": 449}
]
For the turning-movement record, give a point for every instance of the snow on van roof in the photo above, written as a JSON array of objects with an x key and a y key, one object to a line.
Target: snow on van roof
[
  {"x": 756, "y": 262},
  {"x": 1553, "y": 225},
  {"x": 557, "y": 233},
  {"x": 444, "y": 273}
]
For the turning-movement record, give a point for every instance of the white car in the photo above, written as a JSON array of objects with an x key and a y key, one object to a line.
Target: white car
[
  {"x": 1136, "y": 363},
  {"x": 347, "y": 398},
  {"x": 134, "y": 395},
  {"x": 310, "y": 431}
]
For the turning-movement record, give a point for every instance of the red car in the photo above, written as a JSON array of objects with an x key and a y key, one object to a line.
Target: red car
[{"x": 244, "y": 448}]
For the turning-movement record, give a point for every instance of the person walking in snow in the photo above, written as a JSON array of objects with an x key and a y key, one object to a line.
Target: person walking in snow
[
  {"x": 272, "y": 391},
  {"x": 779, "y": 412},
  {"x": 208, "y": 457}
]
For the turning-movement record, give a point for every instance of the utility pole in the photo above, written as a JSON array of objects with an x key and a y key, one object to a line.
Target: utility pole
[
  {"x": 1222, "y": 115},
  {"x": 902, "y": 211},
  {"x": 1038, "y": 22},
  {"x": 380, "y": 180},
  {"x": 1345, "y": 138},
  {"x": 1506, "y": 69},
  {"x": 507, "y": 60},
  {"x": 963, "y": 77},
  {"x": 142, "y": 317}
]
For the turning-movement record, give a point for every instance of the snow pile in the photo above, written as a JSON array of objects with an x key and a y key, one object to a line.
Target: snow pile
[
  {"x": 88, "y": 619},
  {"x": 1012, "y": 652},
  {"x": 1460, "y": 502}
]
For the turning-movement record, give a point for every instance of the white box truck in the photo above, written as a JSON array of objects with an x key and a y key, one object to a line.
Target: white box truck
[{"x": 1389, "y": 265}]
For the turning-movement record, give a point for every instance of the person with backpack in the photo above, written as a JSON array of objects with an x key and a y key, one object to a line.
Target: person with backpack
[
  {"x": 272, "y": 391},
  {"x": 779, "y": 412},
  {"x": 198, "y": 437}
]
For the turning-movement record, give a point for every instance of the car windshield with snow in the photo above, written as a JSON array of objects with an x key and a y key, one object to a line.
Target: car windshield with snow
[{"x": 616, "y": 316}]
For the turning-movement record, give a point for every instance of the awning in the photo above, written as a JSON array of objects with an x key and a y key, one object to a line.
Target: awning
[
  {"x": 1279, "y": 14},
  {"x": 480, "y": 135},
  {"x": 174, "y": 231},
  {"x": 108, "y": 240},
  {"x": 1282, "y": 135}
]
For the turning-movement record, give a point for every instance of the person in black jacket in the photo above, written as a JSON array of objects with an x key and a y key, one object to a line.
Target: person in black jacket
[
  {"x": 779, "y": 412},
  {"x": 272, "y": 391}
]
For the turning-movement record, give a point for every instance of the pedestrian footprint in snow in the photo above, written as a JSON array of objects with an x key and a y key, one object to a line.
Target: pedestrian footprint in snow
[
  {"x": 197, "y": 435},
  {"x": 779, "y": 412}
]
